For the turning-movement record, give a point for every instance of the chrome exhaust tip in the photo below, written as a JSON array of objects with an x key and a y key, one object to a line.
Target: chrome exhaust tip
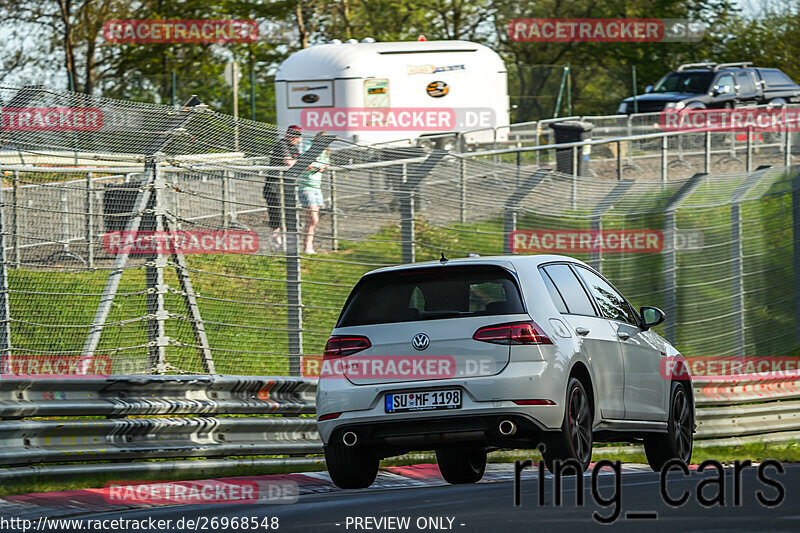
[
  {"x": 349, "y": 438},
  {"x": 507, "y": 428}
]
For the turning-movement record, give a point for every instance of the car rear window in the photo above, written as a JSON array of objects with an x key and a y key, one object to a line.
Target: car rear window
[
  {"x": 432, "y": 293},
  {"x": 775, "y": 77}
]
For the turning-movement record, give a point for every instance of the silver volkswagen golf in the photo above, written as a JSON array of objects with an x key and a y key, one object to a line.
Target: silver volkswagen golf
[{"x": 465, "y": 356}]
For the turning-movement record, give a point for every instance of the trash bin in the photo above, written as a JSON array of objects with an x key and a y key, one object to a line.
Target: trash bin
[
  {"x": 568, "y": 132},
  {"x": 121, "y": 198}
]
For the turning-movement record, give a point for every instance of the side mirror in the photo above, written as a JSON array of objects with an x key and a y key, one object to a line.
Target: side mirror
[
  {"x": 651, "y": 317},
  {"x": 648, "y": 89}
]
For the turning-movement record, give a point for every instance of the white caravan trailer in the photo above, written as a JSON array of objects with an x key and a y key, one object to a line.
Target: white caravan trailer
[{"x": 357, "y": 78}]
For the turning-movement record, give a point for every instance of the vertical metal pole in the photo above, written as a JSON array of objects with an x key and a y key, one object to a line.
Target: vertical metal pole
[
  {"x": 334, "y": 214},
  {"x": 796, "y": 251},
  {"x": 5, "y": 312},
  {"x": 509, "y": 225},
  {"x": 89, "y": 221},
  {"x": 574, "y": 177},
  {"x": 619, "y": 160},
  {"x": 14, "y": 218},
  {"x": 174, "y": 79},
  {"x": 737, "y": 281},
  {"x": 252, "y": 92},
  {"x": 519, "y": 167},
  {"x": 635, "y": 89},
  {"x": 293, "y": 277},
  {"x": 749, "y": 157},
  {"x": 707, "y": 154},
  {"x": 157, "y": 340},
  {"x": 64, "y": 218},
  {"x": 787, "y": 150},
  {"x": 407, "y": 219},
  {"x": 664, "y": 140},
  {"x": 569, "y": 91},
  {"x": 670, "y": 307},
  {"x": 281, "y": 184},
  {"x": 462, "y": 175},
  {"x": 225, "y": 200}
]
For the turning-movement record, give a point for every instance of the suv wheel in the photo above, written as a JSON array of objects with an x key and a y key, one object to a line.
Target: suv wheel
[
  {"x": 461, "y": 465},
  {"x": 676, "y": 443},
  {"x": 351, "y": 467},
  {"x": 574, "y": 442}
]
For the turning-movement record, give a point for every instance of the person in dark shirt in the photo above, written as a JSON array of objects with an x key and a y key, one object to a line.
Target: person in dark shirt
[{"x": 284, "y": 154}]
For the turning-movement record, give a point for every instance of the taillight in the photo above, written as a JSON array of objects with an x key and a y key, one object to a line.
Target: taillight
[
  {"x": 532, "y": 402},
  {"x": 512, "y": 333},
  {"x": 329, "y": 416},
  {"x": 344, "y": 345}
]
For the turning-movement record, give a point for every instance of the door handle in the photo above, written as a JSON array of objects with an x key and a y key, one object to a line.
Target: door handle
[
  {"x": 623, "y": 335},
  {"x": 582, "y": 331}
]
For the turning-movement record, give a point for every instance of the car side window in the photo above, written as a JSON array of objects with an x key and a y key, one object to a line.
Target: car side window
[
  {"x": 726, "y": 81},
  {"x": 571, "y": 290},
  {"x": 554, "y": 294},
  {"x": 612, "y": 304},
  {"x": 745, "y": 81}
]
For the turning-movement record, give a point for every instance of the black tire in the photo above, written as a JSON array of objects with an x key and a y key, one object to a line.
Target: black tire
[
  {"x": 461, "y": 465},
  {"x": 351, "y": 467},
  {"x": 574, "y": 442},
  {"x": 677, "y": 442}
]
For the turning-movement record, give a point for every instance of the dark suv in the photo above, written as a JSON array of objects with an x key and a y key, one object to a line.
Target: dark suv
[{"x": 714, "y": 86}]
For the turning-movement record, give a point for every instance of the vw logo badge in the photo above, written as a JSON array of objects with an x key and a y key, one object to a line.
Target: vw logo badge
[{"x": 420, "y": 341}]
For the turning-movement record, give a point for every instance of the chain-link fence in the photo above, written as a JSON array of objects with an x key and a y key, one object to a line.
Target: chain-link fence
[{"x": 229, "y": 288}]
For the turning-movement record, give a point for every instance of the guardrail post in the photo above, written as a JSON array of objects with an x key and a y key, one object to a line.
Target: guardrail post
[
  {"x": 462, "y": 176},
  {"x": 89, "y": 221},
  {"x": 5, "y": 312},
  {"x": 670, "y": 255},
  {"x": 14, "y": 217},
  {"x": 407, "y": 218},
  {"x": 334, "y": 214}
]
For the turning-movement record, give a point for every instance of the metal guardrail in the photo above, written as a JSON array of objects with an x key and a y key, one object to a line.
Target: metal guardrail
[{"x": 147, "y": 417}]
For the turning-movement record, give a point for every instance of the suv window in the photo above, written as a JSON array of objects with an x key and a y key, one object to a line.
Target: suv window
[
  {"x": 570, "y": 289},
  {"x": 611, "y": 303},
  {"x": 696, "y": 82},
  {"x": 775, "y": 77},
  {"x": 432, "y": 293},
  {"x": 726, "y": 81},
  {"x": 745, "y": 81}
]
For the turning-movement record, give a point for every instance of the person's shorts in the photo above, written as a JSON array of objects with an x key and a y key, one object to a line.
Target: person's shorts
[{"x": 309, "y": 197}]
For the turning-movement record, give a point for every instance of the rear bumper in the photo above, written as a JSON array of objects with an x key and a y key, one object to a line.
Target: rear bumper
[{"x": 388, "y": 438}]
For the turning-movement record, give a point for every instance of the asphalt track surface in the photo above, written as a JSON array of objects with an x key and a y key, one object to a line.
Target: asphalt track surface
[{"x": 489, "y": 507}]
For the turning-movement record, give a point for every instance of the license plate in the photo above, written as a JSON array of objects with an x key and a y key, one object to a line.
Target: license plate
[{"x": 423, "y": 401}]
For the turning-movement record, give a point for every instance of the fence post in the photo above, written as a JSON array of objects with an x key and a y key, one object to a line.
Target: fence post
[
  {"x": 737, "y": 258},
  {"x": 796, "y": 250},
  {"x": 664, "y": 140},
  {"x": 462, "y": 176},
  {"x": 749, "y": 156},
  {"x": 574, "y": 177},
  {"x": 157, "y": 339},
  {"x": 707, "y": 154},
  {"x": 225, "y": 199},
  {"x": 294, "y": 295},
  {"x": 619, "y": 160},
  {"x": 282, "y": 185},
  {"x": 407, "y": 218},
  {"x": 5, "y": 313},
  {"x": 89, "y": 221},
  {"x": 787, "y": 151},
  {"x": 670, "y": 256},
  {"x": 334, "y": 214},
  {"x": 14, "y": 219},
  {"x": 509, "y": 225},
  {"x": 599, "y": 210}
]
